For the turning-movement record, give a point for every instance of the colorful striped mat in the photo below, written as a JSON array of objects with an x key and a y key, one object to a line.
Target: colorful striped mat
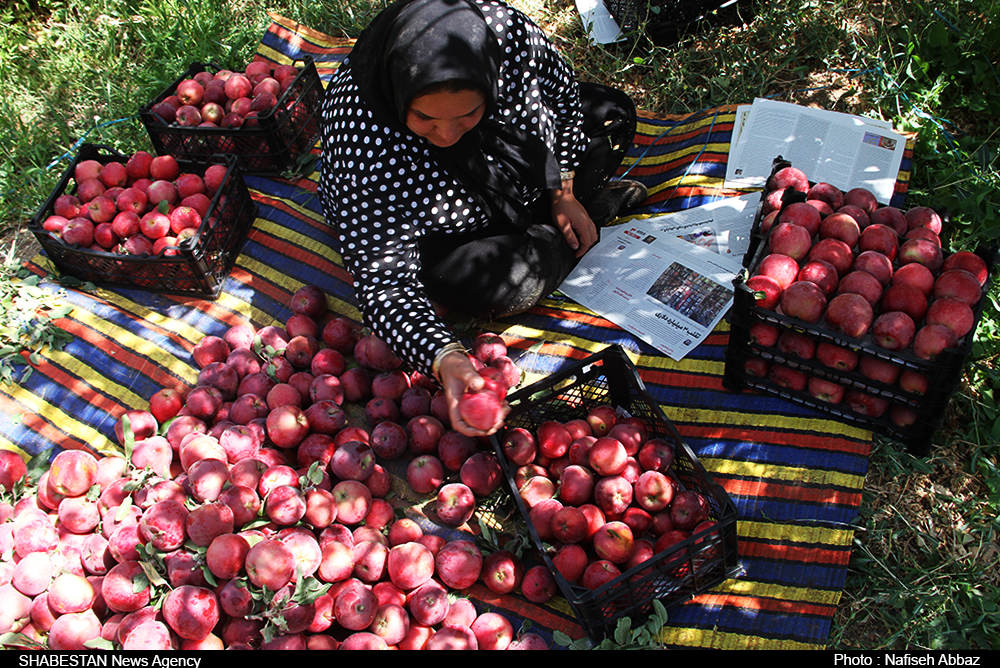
[{"x": 795, "y": 476}]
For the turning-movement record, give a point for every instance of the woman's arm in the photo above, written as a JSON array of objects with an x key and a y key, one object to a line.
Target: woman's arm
[
  {"x": 572, "y": 219},
  {"x": 380, "y": 251}
]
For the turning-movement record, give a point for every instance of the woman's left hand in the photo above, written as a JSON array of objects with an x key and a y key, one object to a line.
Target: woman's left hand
[{"x": 573, "y": 220}]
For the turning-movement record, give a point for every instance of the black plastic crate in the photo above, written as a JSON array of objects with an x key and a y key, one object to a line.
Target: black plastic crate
[
  {"x": 665, "y": 21},
  {"x": 706, "y": 558},
  {"x": 201, "y": 264},
  {"x": 944, "y": 373},
  {"x": 284, "y": 133}
]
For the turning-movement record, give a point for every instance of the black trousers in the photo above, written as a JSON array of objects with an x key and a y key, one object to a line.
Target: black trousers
[{"x": 500, "y": 272}]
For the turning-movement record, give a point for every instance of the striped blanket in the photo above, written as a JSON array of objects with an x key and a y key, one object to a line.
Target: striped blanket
[{"x": 795, "y": 475}]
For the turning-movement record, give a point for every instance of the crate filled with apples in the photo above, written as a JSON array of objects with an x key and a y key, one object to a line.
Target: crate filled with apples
[
  {"x": 617, "y": 504},
  {"x": 854, "y": 308},
  {"x": 267, "y": 115},
  {"x": 145, "y": 221}
]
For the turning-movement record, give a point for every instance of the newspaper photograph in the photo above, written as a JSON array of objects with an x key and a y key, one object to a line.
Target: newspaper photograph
[{"x": 664, "y": 290}]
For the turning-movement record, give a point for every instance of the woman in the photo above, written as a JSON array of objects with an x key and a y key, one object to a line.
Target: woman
[{"x": 464, "y": 168}]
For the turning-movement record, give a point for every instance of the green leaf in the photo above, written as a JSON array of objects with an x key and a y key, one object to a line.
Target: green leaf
[
  {"x": 123, "y": 509},
  {"x": 19, "y": 640},
  {"x": 60, "y": 312},
  {"x": 315, "y": 473},
  {"x": 623, "y": 632},
  {"x": 141, "y": 580},
  {"x": 660, "y": 613},
  {"x": 128, "y": 437},
  {"x": 99, "y": 643},
  {"x": 152, "y": 575},
  {"x": 308, "y": 589},
  {"x": 561, "y": 639},
  {"x": 38, "y": 465}
]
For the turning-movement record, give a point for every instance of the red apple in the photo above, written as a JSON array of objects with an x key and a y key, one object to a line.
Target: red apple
[
  {"x": 923, "y": 216},
  {"x": 836, "y": 357},
  {"x": 862, "y": 198},
  {"x": 803, "y": 300},
  {"x": 781, "y": 268},
  {"x": 876, "y": 264},
  {"x": 789, "y": 177},
  {"x": 966, "y": 260},
  {"x": 795, "y": 343},
  {"x": 960, "y": 284},
  {"x": 791, "y": 240},
  {"x": 802, "y": 214},
  {"x": 828, "y": 193},
  {"x": 861, "y": 283},
  {"x": 851, "y": 314},
  {"x": 840, "y": 226},
  {"x": 880, "y": 238},
  {"x": 932, "y": 340},
  {"x": 787, "y": 377},
  {"x": 953, "y": 313},
  {"x": 826, "y": 390},
  {"x": 893, "y": 330},
  {"x": 834, "y": 251},
  {"x": 891, "y": 217},
  {"x": 906, "y": 298},
  {"x": 767, "y": 291},
  {"x": 822, "y": 273},
  {"x": 923, "y": 251}
]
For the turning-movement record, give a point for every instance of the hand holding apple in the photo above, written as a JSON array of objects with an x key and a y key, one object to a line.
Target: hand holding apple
[{"x": 458, "y": 377}]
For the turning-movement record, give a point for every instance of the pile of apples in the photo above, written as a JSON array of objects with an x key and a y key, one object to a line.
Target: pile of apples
[
  {"x": 602, "y": 492},
  {"x": 873, "y": 274},
  {"x": 253, "y": 511},
  {"x": 226, "y": 99},
  {"x": 142, "y": 206}
]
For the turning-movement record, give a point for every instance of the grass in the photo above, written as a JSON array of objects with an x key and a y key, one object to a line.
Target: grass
[{"x": 924, "y": 570}]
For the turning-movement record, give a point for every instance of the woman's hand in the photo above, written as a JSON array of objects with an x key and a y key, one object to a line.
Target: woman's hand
[
  {"x": 572, "y": 219},
  {"x": 458, "y": 375}
]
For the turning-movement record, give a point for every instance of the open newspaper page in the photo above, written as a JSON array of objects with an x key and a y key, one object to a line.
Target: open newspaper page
[
  {"x": 722, "y": 226},
  {"x": 668, "y": 292},
  {"x": 841, "y": 149}
]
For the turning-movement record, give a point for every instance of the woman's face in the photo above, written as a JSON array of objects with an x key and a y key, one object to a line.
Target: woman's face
[{"x": 443, "y": 117}]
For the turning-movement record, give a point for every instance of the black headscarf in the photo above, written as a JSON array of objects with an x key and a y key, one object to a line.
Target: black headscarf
[{"x": 414, "y": 44}]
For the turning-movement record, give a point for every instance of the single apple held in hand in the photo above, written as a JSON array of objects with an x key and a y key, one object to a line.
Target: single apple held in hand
[{"x": 480, "y": 410}]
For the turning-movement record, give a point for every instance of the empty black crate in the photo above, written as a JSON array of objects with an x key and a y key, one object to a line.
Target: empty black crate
[
  {"x": 200, "y": 266},
  {"x": 284, "y": 133},
  {"x": 672, "y": 576}
]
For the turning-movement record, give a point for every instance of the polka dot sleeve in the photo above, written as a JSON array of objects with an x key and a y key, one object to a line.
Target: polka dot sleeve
[{"x": 382, "y": 257}]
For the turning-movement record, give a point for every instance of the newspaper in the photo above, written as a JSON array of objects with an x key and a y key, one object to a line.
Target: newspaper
[
  {"x": 722, "y": 226},
  {"x": 666, "y": 291},
  {"x": 841, "y": 149}
]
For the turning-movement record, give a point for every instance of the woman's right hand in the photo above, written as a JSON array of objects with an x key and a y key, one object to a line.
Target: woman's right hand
[{"x": 457, "y": 376}]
